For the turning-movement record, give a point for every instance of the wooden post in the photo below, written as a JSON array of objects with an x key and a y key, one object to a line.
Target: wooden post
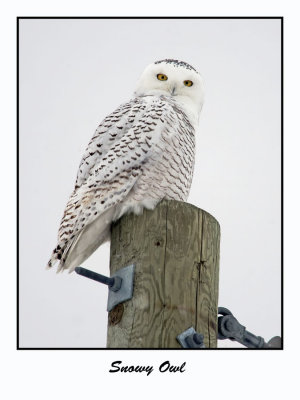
[{"x": 176, "y": 251}]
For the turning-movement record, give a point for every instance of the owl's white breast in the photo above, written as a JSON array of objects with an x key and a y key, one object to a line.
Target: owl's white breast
[{"x": 168, "y": 172}]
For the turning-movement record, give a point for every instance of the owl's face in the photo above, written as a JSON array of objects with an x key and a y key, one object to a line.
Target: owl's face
[{"x": 172, "y": 78}]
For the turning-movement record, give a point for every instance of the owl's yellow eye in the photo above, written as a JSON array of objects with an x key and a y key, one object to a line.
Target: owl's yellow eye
[
  {"x": 162, "y": 77},
  {"x": 188, "y": 83}
]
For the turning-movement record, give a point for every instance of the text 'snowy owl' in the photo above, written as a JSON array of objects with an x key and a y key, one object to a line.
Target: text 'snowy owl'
[{"x": 141, "y": 153}]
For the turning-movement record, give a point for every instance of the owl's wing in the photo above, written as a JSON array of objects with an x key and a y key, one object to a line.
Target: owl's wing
[
  {"x": 107, "y": 179},
  {"x": 110, "y": 130}
]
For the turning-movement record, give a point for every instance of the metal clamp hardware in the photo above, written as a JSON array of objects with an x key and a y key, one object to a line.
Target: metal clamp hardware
[
  {"x": 120, "y": 284},
  {"x": 190, "y": 339},
  {"x": 114, "y": 284},
  {"x": 230, "y": 328}
]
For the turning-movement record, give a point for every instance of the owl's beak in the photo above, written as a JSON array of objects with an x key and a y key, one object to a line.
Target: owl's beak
[{"x": 173, "y": 91}]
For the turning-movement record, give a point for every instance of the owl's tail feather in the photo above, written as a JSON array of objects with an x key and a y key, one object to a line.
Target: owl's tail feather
[
  {"x": 56, "y": 256},
  {"x": 78, "y": 248}
]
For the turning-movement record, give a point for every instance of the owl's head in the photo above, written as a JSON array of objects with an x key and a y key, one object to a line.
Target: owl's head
[{"x": 172, "y": 78}]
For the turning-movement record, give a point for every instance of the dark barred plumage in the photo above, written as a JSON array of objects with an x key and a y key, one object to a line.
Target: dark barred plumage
[
  {"x": 141, "y": 153},
  {"x": 176, "y": 63}
]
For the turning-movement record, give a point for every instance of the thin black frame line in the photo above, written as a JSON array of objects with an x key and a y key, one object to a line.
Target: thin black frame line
[
  {"x": 282, "y": 182},
  {"x": 148, "y": 349},
  {"x": 17, "y": 188},
  {"x": 150, "y": 17}
]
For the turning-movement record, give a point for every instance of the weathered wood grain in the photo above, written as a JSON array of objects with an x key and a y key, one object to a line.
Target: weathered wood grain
[{"x": 176, "y": 251}]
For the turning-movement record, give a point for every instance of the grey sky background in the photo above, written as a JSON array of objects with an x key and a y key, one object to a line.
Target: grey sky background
[{"x": 72, "y": 74}]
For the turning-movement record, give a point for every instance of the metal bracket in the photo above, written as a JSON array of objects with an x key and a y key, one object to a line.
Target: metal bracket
[
  {"x": 120, "y": 284},
  {"x": 126, "y": 290},
  {"x": 230, "y": 328},
  {"x": 190, "y": 339}
]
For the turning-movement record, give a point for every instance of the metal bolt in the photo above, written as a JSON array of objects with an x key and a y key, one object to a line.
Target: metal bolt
[{"x": 113, "y": 283}]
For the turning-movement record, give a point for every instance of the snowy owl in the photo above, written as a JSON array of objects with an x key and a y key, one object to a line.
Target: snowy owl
[{"x": 141, "y": 153}]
